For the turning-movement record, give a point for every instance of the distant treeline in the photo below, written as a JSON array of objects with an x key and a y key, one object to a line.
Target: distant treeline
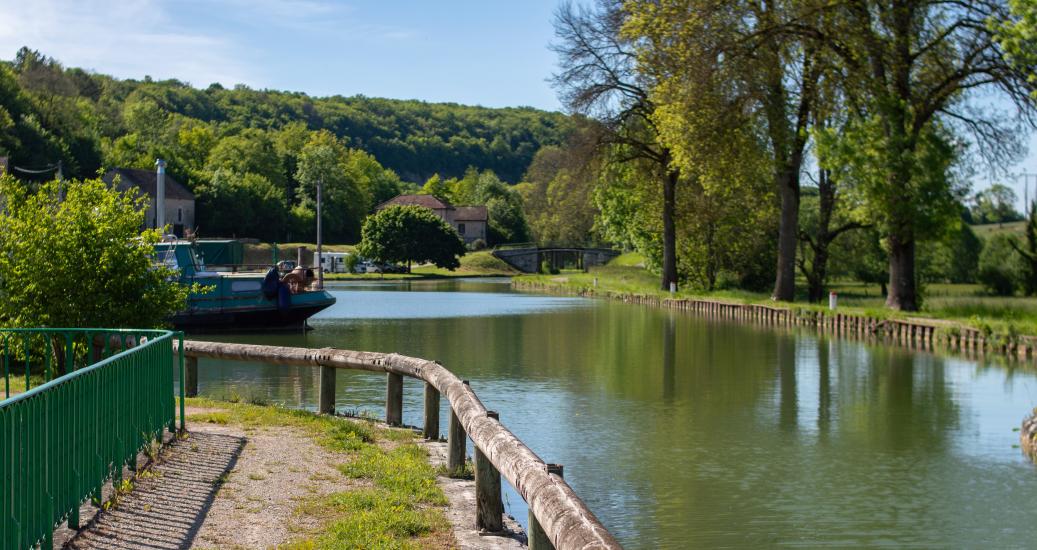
[{"x": 258, "y": 147}]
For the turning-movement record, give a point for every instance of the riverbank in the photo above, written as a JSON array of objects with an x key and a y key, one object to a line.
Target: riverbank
[
  {"x": 473, "y": 264},
  {"x": 1013, "y": 333}
]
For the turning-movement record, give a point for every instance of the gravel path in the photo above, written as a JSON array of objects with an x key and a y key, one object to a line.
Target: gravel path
[
  {"x": 168, "y": 504},
  {"x": 231, "y": 488}
]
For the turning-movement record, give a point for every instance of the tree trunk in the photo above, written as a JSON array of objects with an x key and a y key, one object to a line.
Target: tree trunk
[
  {"x": 819, "y": 273},
  {"x": 669, "y": 231},
  {"x": 826, "y": 205},
  {"x": 788, "y": 231},
  {"x": 903, "y": 291}
]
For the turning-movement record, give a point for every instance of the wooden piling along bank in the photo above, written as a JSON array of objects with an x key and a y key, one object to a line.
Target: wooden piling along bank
[
  {"x": 925, "y": 334},
  {"x": 558, "y": 517}
]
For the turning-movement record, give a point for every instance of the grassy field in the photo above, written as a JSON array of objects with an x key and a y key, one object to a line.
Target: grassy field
[
  {"x": 983, "y": 231},
  {"x": 967, "y": 304}
]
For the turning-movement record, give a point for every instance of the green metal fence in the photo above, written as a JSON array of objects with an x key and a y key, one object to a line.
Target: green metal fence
[{"x": 90, "y": 401}]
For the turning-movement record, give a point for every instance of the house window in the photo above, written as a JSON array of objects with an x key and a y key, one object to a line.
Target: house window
[
  {"x": 460, "y": 228},
  {"x": 180, "y": 215}
]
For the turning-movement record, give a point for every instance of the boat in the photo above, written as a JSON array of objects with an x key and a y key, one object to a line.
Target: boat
[{"x": 237, "y": 301}]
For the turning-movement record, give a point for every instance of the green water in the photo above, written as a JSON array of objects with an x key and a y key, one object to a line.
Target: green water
[{"x": 684, "y": 433}]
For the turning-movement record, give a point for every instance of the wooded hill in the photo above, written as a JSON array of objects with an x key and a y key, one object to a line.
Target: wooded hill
[{"x": 88, "y": 120}]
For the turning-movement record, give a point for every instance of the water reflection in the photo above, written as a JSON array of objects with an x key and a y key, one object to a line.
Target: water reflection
[{"x": 680, "y": 432}]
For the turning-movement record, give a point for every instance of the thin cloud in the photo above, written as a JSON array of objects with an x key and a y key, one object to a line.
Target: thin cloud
[{"x": 126, "y": 38}]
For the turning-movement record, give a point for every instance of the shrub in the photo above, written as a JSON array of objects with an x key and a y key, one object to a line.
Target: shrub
[
  {"x": 478, "y": 244},
  {"x": 999, "y": 266}
]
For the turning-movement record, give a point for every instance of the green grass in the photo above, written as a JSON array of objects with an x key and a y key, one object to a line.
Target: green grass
[
  {"x": 986, "y": 230},
  {"x": 473, "y": 264},
  {"x": 964, "y": 304},
  {"x": 400, "y": 508}
]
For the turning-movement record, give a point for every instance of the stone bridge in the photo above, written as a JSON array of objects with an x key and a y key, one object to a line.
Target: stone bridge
[{"x": 528, "y": 259}]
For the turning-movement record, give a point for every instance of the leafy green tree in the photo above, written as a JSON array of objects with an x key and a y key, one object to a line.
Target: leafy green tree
[
  {"x": 557, "y": 195},
  {"x": 999, "y": 266},
  {"x": 600, "y": 78},
  {"x": 408, "y": 234},
  {"x": 911, "y": 68},
  {"x": 438, "y": 187},
  {"x": 1028, "y": 251},
  {"x": 74, "y": 256},
  {"x": 344, "y": 203},
  {"x": 241, "y": 205},
  {"x": 703, "y": 60},
  {"x": 995, "y": 204},
  {"x": 251, "y": 151}
]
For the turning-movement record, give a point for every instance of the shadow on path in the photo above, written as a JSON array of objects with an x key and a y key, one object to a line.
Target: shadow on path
[{"x": 167, "y": 506}]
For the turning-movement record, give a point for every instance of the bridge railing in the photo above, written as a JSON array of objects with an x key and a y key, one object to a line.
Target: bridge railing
[
  {"x": 558, "y": 517},
  {"x": 79, "y": 404}
]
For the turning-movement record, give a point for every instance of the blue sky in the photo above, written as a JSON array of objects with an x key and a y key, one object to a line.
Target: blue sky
[{"x": 490, "y": 52}]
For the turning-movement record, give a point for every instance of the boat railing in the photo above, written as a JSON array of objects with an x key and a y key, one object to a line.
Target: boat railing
[{"x": 558, "y": 518}]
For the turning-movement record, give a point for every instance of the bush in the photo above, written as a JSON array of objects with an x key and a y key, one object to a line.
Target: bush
[
  {"x": 477, "y": 244},
  {"x": 351, "y": 261},
  {"x": 999, "y": 266}
]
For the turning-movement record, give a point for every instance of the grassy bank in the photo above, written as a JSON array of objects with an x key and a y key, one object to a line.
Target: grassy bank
[
  {"x": 964, "y": 304},
  {"x": 473, "y": 264},
  {"x": 394, "y": 500}
]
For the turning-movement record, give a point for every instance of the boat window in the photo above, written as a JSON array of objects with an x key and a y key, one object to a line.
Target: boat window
[{"x": 245, "y": 286}]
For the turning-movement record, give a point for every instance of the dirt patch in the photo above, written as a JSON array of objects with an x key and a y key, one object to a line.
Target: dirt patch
[{"x": 278, "y": 468}]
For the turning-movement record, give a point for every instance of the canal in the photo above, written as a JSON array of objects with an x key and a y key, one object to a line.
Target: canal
[{"x": 680, "y": 432}]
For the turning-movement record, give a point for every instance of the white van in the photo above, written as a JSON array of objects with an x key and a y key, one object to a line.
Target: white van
[{"x": 332, "y": 262}]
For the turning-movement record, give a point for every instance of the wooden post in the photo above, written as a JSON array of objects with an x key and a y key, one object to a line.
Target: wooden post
[
  {"x": 537, "y": 537},
  {"x": 489, "y": 513},
  {"x": 394, "y": 399},
  {"x": 455, "y": 445},
  {"x": 191, "y": 376},
  {"x": 326, "y": 404},
  {"x": 431, "y": 412}
]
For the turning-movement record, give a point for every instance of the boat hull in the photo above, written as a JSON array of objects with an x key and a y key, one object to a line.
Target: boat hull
[{"x": 249, "y": 319}]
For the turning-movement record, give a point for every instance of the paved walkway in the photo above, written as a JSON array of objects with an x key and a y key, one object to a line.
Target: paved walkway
[{"x": 167, "y": 506}]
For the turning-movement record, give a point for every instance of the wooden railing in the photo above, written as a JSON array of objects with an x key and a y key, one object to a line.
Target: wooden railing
[{"x": 557, "y": 516}]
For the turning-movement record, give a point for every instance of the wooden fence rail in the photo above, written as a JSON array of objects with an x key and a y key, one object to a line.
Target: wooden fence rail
[{"x": 554, "y": 507}]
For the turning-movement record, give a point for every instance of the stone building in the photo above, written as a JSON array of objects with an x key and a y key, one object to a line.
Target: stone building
[
  {"x": 469, "y": 221},
  {"x": 179, "y": 200}
]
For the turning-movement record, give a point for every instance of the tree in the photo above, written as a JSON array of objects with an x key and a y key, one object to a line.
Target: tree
[
  {"x": 727, "y": 51},
  {"x": 999, "y": 265},
  {"x": 408, "y": 234},
  {"x": 251, "y": 151},
  {"x": 74, "y": 256},
  {"x": 995, "y": 205},
  {"x": 1029, "y": 252},
  {"x": 557, "y": 193},
  {"x": 600, "y": 78},
  {"x": 241, "y": 205},
  {"x": 325, "y": 159},
  {"x": 437, "y": 187},
  {"x": 910, "y": 68},
  {"x": 818, "y": 230}
]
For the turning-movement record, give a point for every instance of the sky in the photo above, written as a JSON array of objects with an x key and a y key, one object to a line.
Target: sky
[{"x": 490, "y": 52}]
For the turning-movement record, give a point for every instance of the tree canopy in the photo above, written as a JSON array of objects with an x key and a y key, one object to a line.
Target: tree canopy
[{"x": 74, "y": 256}]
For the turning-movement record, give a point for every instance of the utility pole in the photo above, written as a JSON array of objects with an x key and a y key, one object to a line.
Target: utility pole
[
  {"x": 1026, "y": 190},
  {"x": 160, "y": 196},
  {"x": 320, "y": 259}
]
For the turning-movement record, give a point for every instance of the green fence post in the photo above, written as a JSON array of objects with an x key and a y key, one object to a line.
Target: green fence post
[{"x": 183, "y": 417}]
